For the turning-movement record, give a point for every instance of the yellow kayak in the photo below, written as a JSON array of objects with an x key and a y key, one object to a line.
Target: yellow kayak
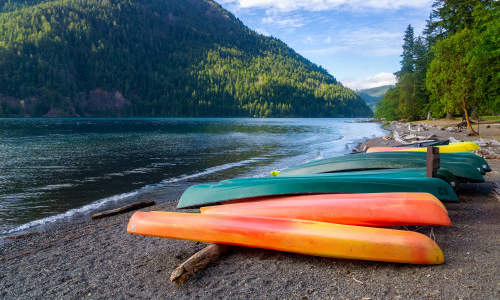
[{"x": 451, "y": 148}]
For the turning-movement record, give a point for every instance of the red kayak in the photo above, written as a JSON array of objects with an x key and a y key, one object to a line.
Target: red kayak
[{"x": 378, "y": 209}]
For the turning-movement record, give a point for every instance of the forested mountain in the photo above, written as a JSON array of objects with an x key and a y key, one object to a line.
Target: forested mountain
[
  {"x": 453, "y": 68},
  {"x": 373, "y": 95},
  {"x": 154, "y": 58}
]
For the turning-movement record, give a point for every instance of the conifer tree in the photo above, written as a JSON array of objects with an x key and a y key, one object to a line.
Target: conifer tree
[{"x": 408, "y": 57}]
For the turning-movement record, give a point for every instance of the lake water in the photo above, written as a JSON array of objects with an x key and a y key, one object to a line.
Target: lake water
[{"x": 54, "y": 169}]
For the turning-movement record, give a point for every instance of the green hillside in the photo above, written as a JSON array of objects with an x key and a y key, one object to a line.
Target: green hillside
[
  {"x": 154, "y": 58},
  {"x": 373, "y": 95}
]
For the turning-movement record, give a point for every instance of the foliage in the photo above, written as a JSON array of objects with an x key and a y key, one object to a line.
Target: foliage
[
  {"x": 464, "y": 74},
  {"x": 449, "y": 79},
  {"x": 450, "y": 16},
  {"x": 154, "y": 58},
  {"x": 387, "y": 108},
  {"x": 456, "y": 66}
]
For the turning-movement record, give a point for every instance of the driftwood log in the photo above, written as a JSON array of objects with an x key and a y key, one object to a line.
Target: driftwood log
[
  {"x": 123, "y": 209},
  {"x": 22, "y": 236},
  {"x": 199, "y": 261}
]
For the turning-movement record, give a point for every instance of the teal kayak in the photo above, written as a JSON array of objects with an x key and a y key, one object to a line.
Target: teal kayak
[
  {"x": 468, "y": 158},
  {"x": 472, "y": 159},
  {"x": 354, "y": 182},
  {"x": 349, "y": 163}
]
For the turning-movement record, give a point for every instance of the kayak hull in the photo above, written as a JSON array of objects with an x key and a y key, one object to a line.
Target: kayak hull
[
  {"x": 382, "y": 209},
  {"x": 468, "y": 158},
  {"x": 355, "y": 182},
  {"x": 464, "y": 172},
  {"x": 297, "y": 236}
]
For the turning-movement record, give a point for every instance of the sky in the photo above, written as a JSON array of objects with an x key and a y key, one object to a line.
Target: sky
[{"x": 357, "y": 41}]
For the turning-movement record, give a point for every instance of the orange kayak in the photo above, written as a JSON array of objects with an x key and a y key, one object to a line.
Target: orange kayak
[
  {"x": 382, "y": 209},
  {"x": 297, "y": 236}
]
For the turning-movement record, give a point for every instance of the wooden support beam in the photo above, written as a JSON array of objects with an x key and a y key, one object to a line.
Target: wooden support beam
[
  {"x": 199, "y": 261},
  {"x": 123, "y": 209}
]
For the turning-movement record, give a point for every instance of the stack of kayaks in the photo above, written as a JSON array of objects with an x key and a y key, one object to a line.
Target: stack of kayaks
[{"x": 326, "y": 208}]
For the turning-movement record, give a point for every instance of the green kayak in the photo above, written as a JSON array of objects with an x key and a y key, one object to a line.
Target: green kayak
[
  {"x": 349, "y": 163},
  {"x": 353, "y": 182},
  {"x": 470, "y": 159},
  {"x": 466, "y": 157}
]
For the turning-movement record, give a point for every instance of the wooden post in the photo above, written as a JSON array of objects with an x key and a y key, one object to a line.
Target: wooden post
[{"x": 433, "y": 162}]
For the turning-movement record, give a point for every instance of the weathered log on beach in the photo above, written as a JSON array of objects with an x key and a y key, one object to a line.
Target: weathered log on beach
[
  {"x": 22, "y": 236},
  {"x": 199, "y": 261},
  {"x": 123, "y": 209}
]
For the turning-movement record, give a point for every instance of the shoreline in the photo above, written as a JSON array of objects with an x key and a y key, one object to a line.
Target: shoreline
[{"x": 99, "y": 259}]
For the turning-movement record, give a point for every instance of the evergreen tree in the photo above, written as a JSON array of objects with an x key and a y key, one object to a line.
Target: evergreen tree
[
  {"x": 408, "y": 56},
  {"x": 450, "y": 16}
]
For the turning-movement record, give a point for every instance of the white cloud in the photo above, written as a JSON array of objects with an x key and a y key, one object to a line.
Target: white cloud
[
  {"x": 318, "y": 5},
  {"x": 283, "y": 22},
  {"x": 364, "y": 41},
  {"x": 371, "y": 82}
]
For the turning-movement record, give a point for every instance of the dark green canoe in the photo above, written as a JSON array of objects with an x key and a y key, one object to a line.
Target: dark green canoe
[
  {"x": 397, "y": 159},
  {"x": 348, "y": 163},
  {"x": 462, "y": 157},
  {"x": 353, "y": 182},
  {"x": 465, "y": 157}
]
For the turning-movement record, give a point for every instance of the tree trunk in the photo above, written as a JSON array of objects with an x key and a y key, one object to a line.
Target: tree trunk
[{"x": 469, "y": 126}]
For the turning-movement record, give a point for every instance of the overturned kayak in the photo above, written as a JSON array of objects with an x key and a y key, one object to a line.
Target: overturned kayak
[
  {"x": 297, "y": 236},
  {"x": 469, "y": 158},
  {"x": 450, "y": 148},
  {"x": 378, "y": 209},
  {"x": 353, "y": 182},
  {"x": 358, "y": 162}
]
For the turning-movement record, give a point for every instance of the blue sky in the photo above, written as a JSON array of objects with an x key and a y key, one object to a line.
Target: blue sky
[{"x": 357, "y": 41}]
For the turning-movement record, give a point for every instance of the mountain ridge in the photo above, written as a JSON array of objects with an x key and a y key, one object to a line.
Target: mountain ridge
[
  {"x": 154, "y": 58},
  {"x": 373, "y": 95}
]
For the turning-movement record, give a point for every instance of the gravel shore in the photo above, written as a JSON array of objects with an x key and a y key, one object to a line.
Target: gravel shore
[{"x": 99, "y": 259}]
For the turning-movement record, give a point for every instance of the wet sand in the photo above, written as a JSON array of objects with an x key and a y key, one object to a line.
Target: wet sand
[{"x": 99, "y": 259}]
